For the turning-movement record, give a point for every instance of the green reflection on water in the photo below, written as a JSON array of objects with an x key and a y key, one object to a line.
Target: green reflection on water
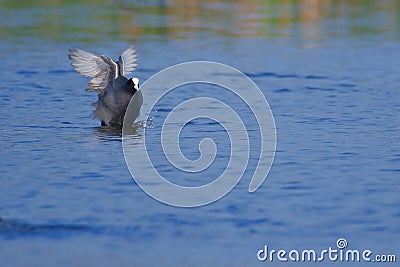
[{"x": 95, "y": 20}]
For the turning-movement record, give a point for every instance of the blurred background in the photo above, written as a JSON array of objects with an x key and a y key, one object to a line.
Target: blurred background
[
  {"x": 329, "y": 69},
  {"x": 308, "y": 22}
]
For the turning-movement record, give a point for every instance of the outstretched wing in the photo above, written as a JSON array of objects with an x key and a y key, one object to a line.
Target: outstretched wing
[
  {"x": 128, "y": 61},
  {"x": 101, "y": 69}
]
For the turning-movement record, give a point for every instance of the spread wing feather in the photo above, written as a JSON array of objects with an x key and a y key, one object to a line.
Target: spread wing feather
[
  {"x": 129, "y": 60},
  {"x": 101, "y": 69}
]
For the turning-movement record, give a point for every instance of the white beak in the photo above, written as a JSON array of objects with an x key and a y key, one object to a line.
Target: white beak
[{"x": 136, "y": 83}]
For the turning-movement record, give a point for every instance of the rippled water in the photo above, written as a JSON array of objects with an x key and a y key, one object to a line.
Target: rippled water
[{"x": 328, "y": 70}]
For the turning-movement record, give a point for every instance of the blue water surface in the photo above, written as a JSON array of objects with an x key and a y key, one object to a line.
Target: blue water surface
[{"x": 330, "y": 72}]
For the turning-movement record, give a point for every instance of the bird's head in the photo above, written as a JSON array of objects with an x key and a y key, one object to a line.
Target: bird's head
[{"x": 135, "y": 83}]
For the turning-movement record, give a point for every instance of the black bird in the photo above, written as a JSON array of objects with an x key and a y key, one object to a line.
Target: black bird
[{"x": 109, "y": 81}]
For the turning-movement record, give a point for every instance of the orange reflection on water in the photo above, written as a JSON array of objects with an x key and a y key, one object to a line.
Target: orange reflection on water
[{"x": 304, "y": 20}]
